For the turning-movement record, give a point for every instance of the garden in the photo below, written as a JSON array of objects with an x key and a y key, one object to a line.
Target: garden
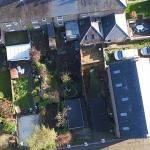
[
  {"x": 94, "y": 82},
  {"x": 21, "y": 94},
  {"x": 139, "y": 8},
  {"x": 7, "y": 121}
]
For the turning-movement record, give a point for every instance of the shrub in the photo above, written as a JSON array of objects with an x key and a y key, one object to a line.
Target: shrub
[
  {"x": 43, "y": 139},
  {"x": 64, "y": 139},
  {"x": 7, "y": 126},
  {"x": 65, "y": 78},
  {"x": 1, "y": 95}
]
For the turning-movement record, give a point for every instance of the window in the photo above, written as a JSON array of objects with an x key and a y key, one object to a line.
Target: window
[
  {"x": 60, "y": 18},
  {"x": 123, "y": 114},
  {"x": 116, "y": 71},
  {"x": 126, "y": 128},
  {"x": 124, "y": 99},
  {"x": 119, "y": 85},
  {"x": 92, "y": 36}
]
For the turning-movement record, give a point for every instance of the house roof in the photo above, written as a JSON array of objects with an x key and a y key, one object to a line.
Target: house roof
[
  {"x": 18, "y": 52},
  {"x": 75, "y": 116},
  {"x": 130, "y": 81},
  {"x": 114, "y": 20},
  {"x": 30, "y": 9},
  {"x": 84, "y": 26},
  {"x": 108, "y": 22},
  {"x": 124, "y": 2},
  {"x": 50, "y": 29},
  {"x": 72, "y": 29}
]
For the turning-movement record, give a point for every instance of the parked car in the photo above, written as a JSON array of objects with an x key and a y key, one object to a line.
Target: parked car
[
  {"x": 126, "y": 54},
  {"x": 145, "y": 51}
]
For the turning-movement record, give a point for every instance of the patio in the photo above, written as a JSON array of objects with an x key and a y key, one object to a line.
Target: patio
[{"x": 91, "y": 55}]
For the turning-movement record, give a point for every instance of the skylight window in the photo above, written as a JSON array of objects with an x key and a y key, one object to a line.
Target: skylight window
[
  {"x": 124, "y": 99},
  {"x": 126, "y": 128},
  {"x": 123, "y": 114},
  {"x": 119, "y": 85},
  {"x": 116, "y": 72}
]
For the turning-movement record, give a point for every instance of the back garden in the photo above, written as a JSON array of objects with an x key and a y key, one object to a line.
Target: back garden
[{"x": 7, "y": 121}]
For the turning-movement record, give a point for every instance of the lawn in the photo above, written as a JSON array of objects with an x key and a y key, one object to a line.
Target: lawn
[
  {"x": 22, "y": 96},
  {"x": 92, "y": 82},
  {"x": 5, "y": 87},
  {"x": 142, "y": 7},
  {"x": 14, "y": 38}
]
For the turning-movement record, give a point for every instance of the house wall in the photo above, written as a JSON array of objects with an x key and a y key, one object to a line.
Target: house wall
[
  {"x": 116, "y": 35},
  {"x": 88, "y": 40},
  {"x": 117, "y": 131}
]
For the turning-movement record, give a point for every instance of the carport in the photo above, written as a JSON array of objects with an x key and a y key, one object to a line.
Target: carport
[{"x": 74, "y": 114}]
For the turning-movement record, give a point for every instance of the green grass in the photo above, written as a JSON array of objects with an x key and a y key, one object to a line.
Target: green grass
[
  {"x": 17, "y": 37},
  {"x": 5, "y": 87},
  {"x": 22, "y": 95},
  {"x": 139, "y": 7}
]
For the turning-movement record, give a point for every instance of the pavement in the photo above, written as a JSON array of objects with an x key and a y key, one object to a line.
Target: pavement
[{"x": 118, "y": 144}]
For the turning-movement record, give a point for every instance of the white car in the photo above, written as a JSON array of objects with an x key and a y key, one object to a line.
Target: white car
[
  {"x": 145, "y": 51},
  {"x": 126, "y": 54}
]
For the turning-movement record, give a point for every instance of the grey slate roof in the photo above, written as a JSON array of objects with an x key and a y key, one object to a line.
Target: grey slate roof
[
  {"x": 130, "y": 89},
  {"x": 84, "y": 25},
  {"x": 113, "y": 29},
  {"x": 108, "y": 22}
]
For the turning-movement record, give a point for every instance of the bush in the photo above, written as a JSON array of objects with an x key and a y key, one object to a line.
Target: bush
[
  {"x": 7, "y": 126},
  {"x": 1, "y": 95},
  {"x": 65, "y": 78},
  {"x": 64, "y": 139},
  {"x": 43, "y": 139}
]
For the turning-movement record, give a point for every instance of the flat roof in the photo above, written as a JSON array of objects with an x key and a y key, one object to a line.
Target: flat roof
[
  {"x": 26, "y": 126},
  {"x": 32, "y": 10},
  {"x": 74, "y": 115},
  {"x": 131, "y": 96}
]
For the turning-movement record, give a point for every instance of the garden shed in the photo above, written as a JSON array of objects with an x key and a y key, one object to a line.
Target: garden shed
[{"x": 74, "y": 114}]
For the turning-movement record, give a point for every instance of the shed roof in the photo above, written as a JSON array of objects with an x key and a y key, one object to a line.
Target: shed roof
[
  {"x": 50, "y": 29},
  {"x": 75, "y": 117},
  {"x": 130, "y": 83},
  {"x": 18, "y": 52},
  {"x": 14, "y": 73}
]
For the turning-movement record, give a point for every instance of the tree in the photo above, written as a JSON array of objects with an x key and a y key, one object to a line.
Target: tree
[
  {"x": 43, "y": 139},
  {"x": 133, "y": 14}
]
